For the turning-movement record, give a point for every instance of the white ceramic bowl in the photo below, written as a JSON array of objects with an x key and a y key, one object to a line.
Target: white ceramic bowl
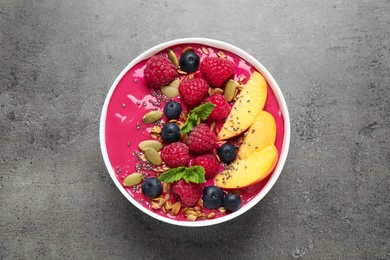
[{"x": 278, "y": 95}]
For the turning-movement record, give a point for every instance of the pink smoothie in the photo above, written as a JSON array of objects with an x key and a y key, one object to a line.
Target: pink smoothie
[{"x": 132, "y": 99}]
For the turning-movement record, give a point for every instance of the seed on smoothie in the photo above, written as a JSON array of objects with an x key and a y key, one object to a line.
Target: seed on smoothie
[
  {"x": 132, "y": 179},
  {"x": 156, "y": 145},
  {"x": 152, "y": 156},
  {"x": 152, "y": 116}
]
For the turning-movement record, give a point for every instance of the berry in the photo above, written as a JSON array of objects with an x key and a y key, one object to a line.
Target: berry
[
  {"x": 201, "y": 139},
  {"x": 216, "y": 71},
  {"x": 172, "y": 110},
  {"x": 188, "y": 193},
  {"x": 221, "y": 109},
  {"x": 193, "y": 90},
  {"x": 232, "y": 202},
  {"x": 189, "y": 61},
  {"x": 210, "y": 164},
  {"x": 159, "y": 71},
  {"x": 170, "y": 133},
  {"x": 212, "y": 197},
  {"x": 227, "y": 153},
  {"x": 152, "y": 187},
  {"x": 175, "y": 155}
]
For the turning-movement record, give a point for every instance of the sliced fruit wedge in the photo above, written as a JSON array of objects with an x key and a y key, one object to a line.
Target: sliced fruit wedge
[
  {"x": 261, "y": 134},
  {"x": 248, "y": 171},
  {"x": 249, "y": 102}
]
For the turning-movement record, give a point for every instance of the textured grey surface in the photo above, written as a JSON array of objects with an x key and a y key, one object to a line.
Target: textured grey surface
[{"x": 58, "y": 60}]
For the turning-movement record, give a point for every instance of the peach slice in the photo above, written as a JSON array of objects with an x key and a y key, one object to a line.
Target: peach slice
[
  {"x": 249, "y": 102},
  {"x": 261, "y": 134},
  {"x": 248, "y": 171}
]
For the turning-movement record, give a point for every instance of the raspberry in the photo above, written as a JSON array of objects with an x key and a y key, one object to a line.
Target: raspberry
[
  {"x": 201, "y": 139},
  {"x": 193, "y": 90},
  {"x": 216, "y": 71},
  {"x": 188, "y": 193},
  {"x": 175, "y": 155},
  {"x": 221, "y": 109},
  {"x": 210, "y": 164},
  {"x": 159, "y": 71}
]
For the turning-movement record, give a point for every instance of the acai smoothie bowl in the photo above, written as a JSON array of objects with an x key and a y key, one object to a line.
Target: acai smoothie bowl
[{"x": 194, "y": 132}]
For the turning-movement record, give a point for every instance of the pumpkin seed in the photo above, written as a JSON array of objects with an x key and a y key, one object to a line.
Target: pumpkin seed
[
  {"x": 152, "y": 116},
  {"x": 156, "y": 145},
  {"x": 170, "y": 91},
  {"x": 152, "y": 156},
  {"x": 175, "y": 83},
  {"x": 221, "y": 54},
  {"x": 172, "y": 57},
  {"x": 132, "y": 179},
  {"x": 230, "y": 90}
]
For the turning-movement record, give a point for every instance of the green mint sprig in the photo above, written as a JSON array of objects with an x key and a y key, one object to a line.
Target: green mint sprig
[
  {"x": 201, "y": 112},
  {"x": 189, "y": 174}
]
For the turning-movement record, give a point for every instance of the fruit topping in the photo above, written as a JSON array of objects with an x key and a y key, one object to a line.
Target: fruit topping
[
  {"x": 170, "y": 133},
  {"x": 212, "y": 197},
  {"x": 172, "y": 110},
  {"x": 249, "y": 102},
  {"x": 152, "y": 187},
  {"x": 159, "y": 71},
  {"x": 201, "y": 139},
  {"x": 175, "y": 154},
  {"x": 193, "y": 90},
  {"x": 189, "y": 61},
  {"x": 248, "y": 171},
  {"x": 221, "y": 109},
  {"x": 216, "y": 71},
  {"x": 261, "y": 134},
  {"x": 188, "y": 193},
  {"x": 227, "y": 153},
  {"x": 232, "y": 202},
  {"x": 210, "y": 164}
]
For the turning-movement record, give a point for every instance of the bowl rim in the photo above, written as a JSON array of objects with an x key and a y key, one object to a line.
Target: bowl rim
[{"x": 259, "y": 67}]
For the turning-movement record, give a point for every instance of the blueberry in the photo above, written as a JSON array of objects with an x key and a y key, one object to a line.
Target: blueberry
[
  {"x": 189, "y": 61},
  {"x": 227, "y": 153},
  {"x": 212, "y": 197},
  {"x": 232, "y": 202},
  {"x": 170, "y": 133},
  {"x": 152, "y": 187},
  {"x": 172, "y": 110}
]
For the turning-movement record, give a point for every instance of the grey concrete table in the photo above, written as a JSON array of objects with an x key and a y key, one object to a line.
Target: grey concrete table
[{"x": 58, "y": 60}]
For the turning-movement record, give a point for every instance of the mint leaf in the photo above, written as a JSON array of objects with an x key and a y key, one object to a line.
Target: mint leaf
[
  {"x": 172, "y": 175},
  {"x": 192, "y": 121},
  {"x": 194, "y": 174},
  {"x": 189, "y": 174},
  {"x": 204, "y": 110},
  {"x": 198, "y": 113}
]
